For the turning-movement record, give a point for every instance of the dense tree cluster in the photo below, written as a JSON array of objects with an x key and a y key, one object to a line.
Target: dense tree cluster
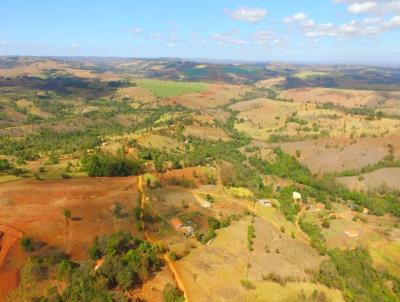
[
  {"x": 352, "y": 272},
  {"x": 127, "y": 263},
  {"x": 103, "y": 164}
]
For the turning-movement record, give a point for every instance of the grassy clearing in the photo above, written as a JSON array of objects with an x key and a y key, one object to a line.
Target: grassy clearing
[
  {"x": 387, "y": 256},
  {"x": 275, "y": 217},
  {"x": 239, "y": 192},
  {"x": 274, "y": 292},
  {"x": 171, "y": 88},
  {"x": 304, "y": 75},
  {"x": 4, "y": 178}
]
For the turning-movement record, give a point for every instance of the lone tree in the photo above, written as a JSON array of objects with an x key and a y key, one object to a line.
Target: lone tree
[
  {"x": 26, "y": 244},
  {"x": 67, "y": 215}
]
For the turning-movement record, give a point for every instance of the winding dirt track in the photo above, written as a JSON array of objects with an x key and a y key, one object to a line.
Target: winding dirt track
[
  {"x": 9, "y": 276},
  {"x": 171, "y": 265},
  {"x": 9, "y": 238}
]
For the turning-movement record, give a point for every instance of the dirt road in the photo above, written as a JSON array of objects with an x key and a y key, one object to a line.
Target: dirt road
[{"x": 171, "y": 264}]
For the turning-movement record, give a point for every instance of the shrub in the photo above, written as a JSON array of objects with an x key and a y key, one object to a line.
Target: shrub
[
  {"x": 213, "y": 223},
  {"x": 27, "y": 244},
  {"x": 247, "y": 284},
  {"x": 172, "y": 294},
  {"x": 326, "y": 224},
  {"x": 353, "y": 273},
  {"x": 4, "y": 165}
]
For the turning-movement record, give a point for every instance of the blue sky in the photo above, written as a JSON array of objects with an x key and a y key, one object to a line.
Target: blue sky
[{"x": 320, "y": 31}]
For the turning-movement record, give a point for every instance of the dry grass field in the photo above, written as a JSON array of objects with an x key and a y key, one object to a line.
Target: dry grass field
[
  {"x": 136, "y": 94},
  {"x": 216, "y": 95},
  {"x": 34, "y": 68},
  {"x": 216, "y": 272},
  {"x": 379, "y": 234},
  {"x": 159, "y": 142},
  {"x": 263, "y": 118},
  {"x": 336, "y": 155},
  {"x": 206, "y": 133},
  {"x": 342, "y": 97},
  {"x": 388, "y": 178}
]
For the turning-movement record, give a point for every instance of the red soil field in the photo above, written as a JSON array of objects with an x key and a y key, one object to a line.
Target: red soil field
[{"x": 35, "y": 209}]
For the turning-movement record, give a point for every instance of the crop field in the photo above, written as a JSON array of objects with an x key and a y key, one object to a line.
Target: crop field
[{"x": 171, "y": 88}]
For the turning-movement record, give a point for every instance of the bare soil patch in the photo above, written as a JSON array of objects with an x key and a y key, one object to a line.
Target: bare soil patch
[
  {"x": 36, "y": 208},
  {"x": 388, "y": 178}
]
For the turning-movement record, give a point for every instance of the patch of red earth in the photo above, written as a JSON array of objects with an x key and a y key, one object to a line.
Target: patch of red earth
[
  {"x": 9, "y": 280},
  {"x": 187, "y": 173},
  {"x": 9, "y": 249},
  {"x": 36, "y": 208},
  {"x": 9, "y": 237}
]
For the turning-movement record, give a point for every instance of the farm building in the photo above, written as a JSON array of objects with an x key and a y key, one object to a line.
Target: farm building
[
  {"x": 176, "y": 223},
  {"x": 297, "y": 196},
  {"x": 206, "y": 204},
  {"x": 188, "y": 231}
]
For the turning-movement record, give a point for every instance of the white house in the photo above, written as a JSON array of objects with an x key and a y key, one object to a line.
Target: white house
[
  {"x": 206, "y": 204},
  {"x": 296, "y": 196}
]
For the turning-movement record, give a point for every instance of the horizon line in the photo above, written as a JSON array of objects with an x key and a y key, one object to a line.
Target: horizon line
[{"x": 212, "y": 60}]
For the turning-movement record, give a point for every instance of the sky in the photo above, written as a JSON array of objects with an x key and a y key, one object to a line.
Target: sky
[{"x": 300, "y": 31}]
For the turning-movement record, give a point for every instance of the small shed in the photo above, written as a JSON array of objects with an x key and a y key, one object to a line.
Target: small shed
[
  {"x": 188, "y": 231},
  {"x": 206, "y": 204}
]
